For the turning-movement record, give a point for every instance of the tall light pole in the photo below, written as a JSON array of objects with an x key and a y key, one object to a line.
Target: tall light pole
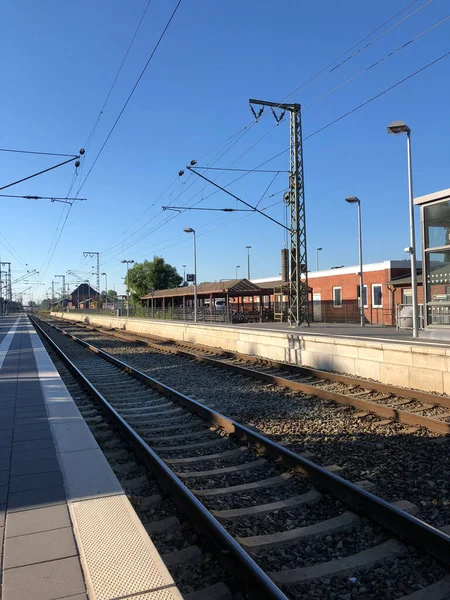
[
  {"x": 91, "y": 255},
  {"x": 184, "y": 273},
  {"x": 248, "y": 262},
  {"x": 355, "y": 200},
  {"x": 106, "y": 284},
  {"x": 397, "y": 128},
  {"x": 317, "y": 258},
  {"x": 128, "y": 262},
  {"x": 237, "y": 267},
  {"x": 190, "y": 230}
]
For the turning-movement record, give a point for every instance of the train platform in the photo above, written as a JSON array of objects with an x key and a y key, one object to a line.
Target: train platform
[{"x": 67, "y": 529}]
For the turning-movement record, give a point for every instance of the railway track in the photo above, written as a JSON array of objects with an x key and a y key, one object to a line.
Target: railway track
[
  {"x": 411, "y": 407},
  {"x": 285, "y": 526}
]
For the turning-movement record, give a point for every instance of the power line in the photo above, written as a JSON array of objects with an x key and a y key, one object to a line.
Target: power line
[
  {"x": 91, "y": 135},
  {"x": 253, "y": 171},
  {"x": 315, "y": 79},
  {"x": 244, "y": 130},
  {"x": 39, "y": 173},
  {"x": 35, "y": 152},
  {"x": 430, "y": 64},
  {"x": 376, "y": 63},
  {"x": 131, "y": 93},
  {"x": 65, "y": 200}
]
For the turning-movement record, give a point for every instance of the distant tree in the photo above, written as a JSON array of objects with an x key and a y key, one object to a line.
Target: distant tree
[
  {"x": 155, "y": 274},
  {"x": 45, "y": 304},
  {"x": 112, "y": 294},
  {"x": 31, "y": 304}
]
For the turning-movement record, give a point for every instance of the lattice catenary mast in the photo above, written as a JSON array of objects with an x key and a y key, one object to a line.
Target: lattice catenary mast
[{"x": 298, "y": 271}]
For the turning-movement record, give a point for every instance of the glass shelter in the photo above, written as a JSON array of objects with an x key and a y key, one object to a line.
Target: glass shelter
[{"x": 435, "y": 228}]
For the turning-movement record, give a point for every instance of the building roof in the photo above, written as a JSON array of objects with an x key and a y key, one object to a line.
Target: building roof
[
  {"x": 405, "y": 280},
  {"x": 442, "y": 195},
  {"x": 232, "y": 286},
  {"x": 84, "y": 286},
  {"x": 354, "y": 269}
]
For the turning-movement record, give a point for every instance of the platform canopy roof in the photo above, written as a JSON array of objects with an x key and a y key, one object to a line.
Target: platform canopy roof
[
  {"x": 231, "y": 287},
  {"x": 404, "y": 280}
]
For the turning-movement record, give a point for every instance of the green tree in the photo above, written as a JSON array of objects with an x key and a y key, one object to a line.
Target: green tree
[
  {"x": 112, "y": 294},
  {"x": 155, "y": 274}
]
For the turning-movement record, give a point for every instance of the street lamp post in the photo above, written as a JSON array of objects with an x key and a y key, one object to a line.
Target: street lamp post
[
  {"x": 397, "y": 128},
  {"x": 237, "y": 267},
  {"x": 248, "y": 262},
  {"x": 184, "y": 273},
  {"x": 355, "y": 200},
  {"x": 128, "y": 262},
  {"x": 190, "y": 230},
  {"x": 317, "y": 258},
  {"x": 106, "y": 285}
]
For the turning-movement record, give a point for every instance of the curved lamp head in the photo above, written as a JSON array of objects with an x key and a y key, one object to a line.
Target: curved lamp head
[
  {"x": 189, "y": 230},
  {"x": 397, "y": 127},
  {"x": 352, "y": 200},
  {"x": 319, "y": 248}
]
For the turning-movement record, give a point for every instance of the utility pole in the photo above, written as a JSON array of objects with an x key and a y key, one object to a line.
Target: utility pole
[
  {"x": 248, "y": 262},
  {"x": 63, "y": 286},
  {"x": 91, "y": 255},
  {"x": 298, "y": 272},
  {"x": 9, "y": 282},
  {"x": 53, "y": 294}
]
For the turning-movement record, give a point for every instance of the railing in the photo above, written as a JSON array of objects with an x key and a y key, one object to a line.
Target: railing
[
  {"x": 204, "y": 314},
  {"x": 404, "y": 316}
]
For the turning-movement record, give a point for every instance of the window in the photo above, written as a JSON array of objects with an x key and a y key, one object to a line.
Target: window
[
  {"x": 337, "y": 297},
  {"x": 407, "y": 296},
  {"x": 377, "y": 295},
  {"x": 358, "y": 293}
]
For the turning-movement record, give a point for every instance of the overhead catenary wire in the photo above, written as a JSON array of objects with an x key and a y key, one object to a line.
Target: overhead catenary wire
[
  {"x": 39, "y": 173},
  {"x": 330, "y": 69},
  {"x": 90, "y": 137},
  {"x": 38, "y": 153},
  {"x": 245, "y": 129},
  {"x": 378, "y": 62},
  {"x": 161, "y": 37},
  {"x": 231, "y": 137},
  {"x": 94, "y": 128}
]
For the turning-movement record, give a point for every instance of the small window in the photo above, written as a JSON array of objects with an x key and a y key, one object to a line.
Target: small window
[
  {"x": 377, "y": 295},
  {"x": 364, "y": 295},
  {"x": 337, "y": 297},
  {"x": 407, "y": 296}
]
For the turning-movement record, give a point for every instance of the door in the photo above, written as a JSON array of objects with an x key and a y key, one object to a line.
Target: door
[{"x": 317, "y": 307}]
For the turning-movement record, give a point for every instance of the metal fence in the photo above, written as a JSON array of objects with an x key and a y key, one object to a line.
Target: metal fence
[
  {"x": 204, "y": 314},
  {"x": 349, "y": 312}
]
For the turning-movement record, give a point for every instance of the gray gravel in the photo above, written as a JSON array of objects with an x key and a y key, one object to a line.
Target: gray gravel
[
  {"x": 322, "y": 549},
  {"x": 334, "y": 435},
  {"x": 286, "y": 519},
  {"x": 361, "y": 447},
  {"x": 389, "y": 580}
]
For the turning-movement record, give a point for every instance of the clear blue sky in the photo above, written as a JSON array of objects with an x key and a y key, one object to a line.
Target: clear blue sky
[{"x": 58, "y": 61}]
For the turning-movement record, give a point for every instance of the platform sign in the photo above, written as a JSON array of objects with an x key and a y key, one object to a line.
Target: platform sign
[
  {"x": 190, "y": 277},
  {"x": 152, "y": 291}
]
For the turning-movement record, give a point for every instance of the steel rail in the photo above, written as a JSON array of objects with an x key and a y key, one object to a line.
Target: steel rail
[
  {"x": 427, "y": 538},
  {"x": 402, "y": 416},
  {"x": 257, "y": 584},
  {"x": 428, "y": 397}
]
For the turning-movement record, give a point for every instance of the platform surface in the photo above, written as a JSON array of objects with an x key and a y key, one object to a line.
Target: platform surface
[{"x": 67, "y": 529}]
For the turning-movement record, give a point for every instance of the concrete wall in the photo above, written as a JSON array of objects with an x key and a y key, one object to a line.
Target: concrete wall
[{"x": 417, "y": 366}]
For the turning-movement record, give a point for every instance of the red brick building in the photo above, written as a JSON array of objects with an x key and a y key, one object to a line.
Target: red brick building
[{"x": 336, "y": 292}]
